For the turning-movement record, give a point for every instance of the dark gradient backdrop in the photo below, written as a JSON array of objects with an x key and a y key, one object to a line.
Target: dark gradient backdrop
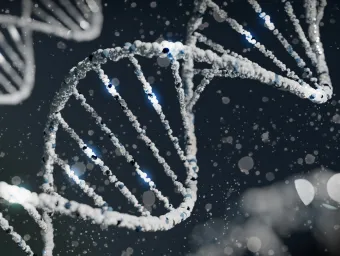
[{"x": 226, "y": 132}]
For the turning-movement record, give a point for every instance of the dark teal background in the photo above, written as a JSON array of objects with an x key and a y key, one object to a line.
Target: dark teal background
[{"x": 21, "y": 127}]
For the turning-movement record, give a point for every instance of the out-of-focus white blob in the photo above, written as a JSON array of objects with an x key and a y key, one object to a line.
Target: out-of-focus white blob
[
  {"x": 333, "y": 187},
  {"x": 305, "y": 190},
  {"x": 255, "y": 236},
  {"x": 254, "y": 244}
]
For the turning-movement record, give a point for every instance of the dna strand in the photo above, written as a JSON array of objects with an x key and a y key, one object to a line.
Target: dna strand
[
  {"x": 227, "y": 65},
  {"x": 51, "y": 201},
  {"x": 77, "y": 20},
  {"x": 314, "y": 11}
]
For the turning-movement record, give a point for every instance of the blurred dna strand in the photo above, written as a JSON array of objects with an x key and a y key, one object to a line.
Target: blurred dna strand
[{"x": 77, "y": 20}]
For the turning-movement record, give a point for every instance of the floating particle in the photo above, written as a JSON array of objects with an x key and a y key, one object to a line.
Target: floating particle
[
  {"x": 336, "y": 119},
  {"x": 270, "y": 176},
  {"x": 163, "y": 62},
  {"x": 79, "y": 168},
  {"x": 61, "y": 45},
  {"x": 225, "y": 100},
  {"x": 228, "y": 251},
  {"x": 309, "y": 159},
  {"x": 228, "y": 139},
  {"x": 295, "y": 41},
  {"x": 75, "y": 243},
  {"x": 90, "y": 166},
  {"x": 149, "y": 198},
  {"x": 246, "y": 164},
  {"x": 115, "y": 81},
  {"x": 16, "y": 180},
  {"x": 151, "y": 79},
  {"x": 254, "y": 244},
  {"x": 208, "y": 207},
  {"x": 129, "y": 250},
  {"x": 117, "y": 152},
  {"x": 265, "y": 137}
]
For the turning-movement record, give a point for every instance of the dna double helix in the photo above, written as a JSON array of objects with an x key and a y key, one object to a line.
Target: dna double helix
[
  {"x": 182, "y": 58},
  {"x": 77, "y": 20},
  {"x": 314, "y": 11}
]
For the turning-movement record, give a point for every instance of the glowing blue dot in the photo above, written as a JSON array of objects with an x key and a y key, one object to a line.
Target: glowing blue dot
[
  {"x": 312, "y": 97},
  {"x": 132, "y": 48},
  {"x": 290, "y": 49},
  {"x": 138, "y": 72},
  {"x": 236, "y": 67},
  {"x": 106, "y": 53},
  {"x": 277, "y": 79},
  {"x": 170, "y": 56},
  {"x": 192, "y": 160}
]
